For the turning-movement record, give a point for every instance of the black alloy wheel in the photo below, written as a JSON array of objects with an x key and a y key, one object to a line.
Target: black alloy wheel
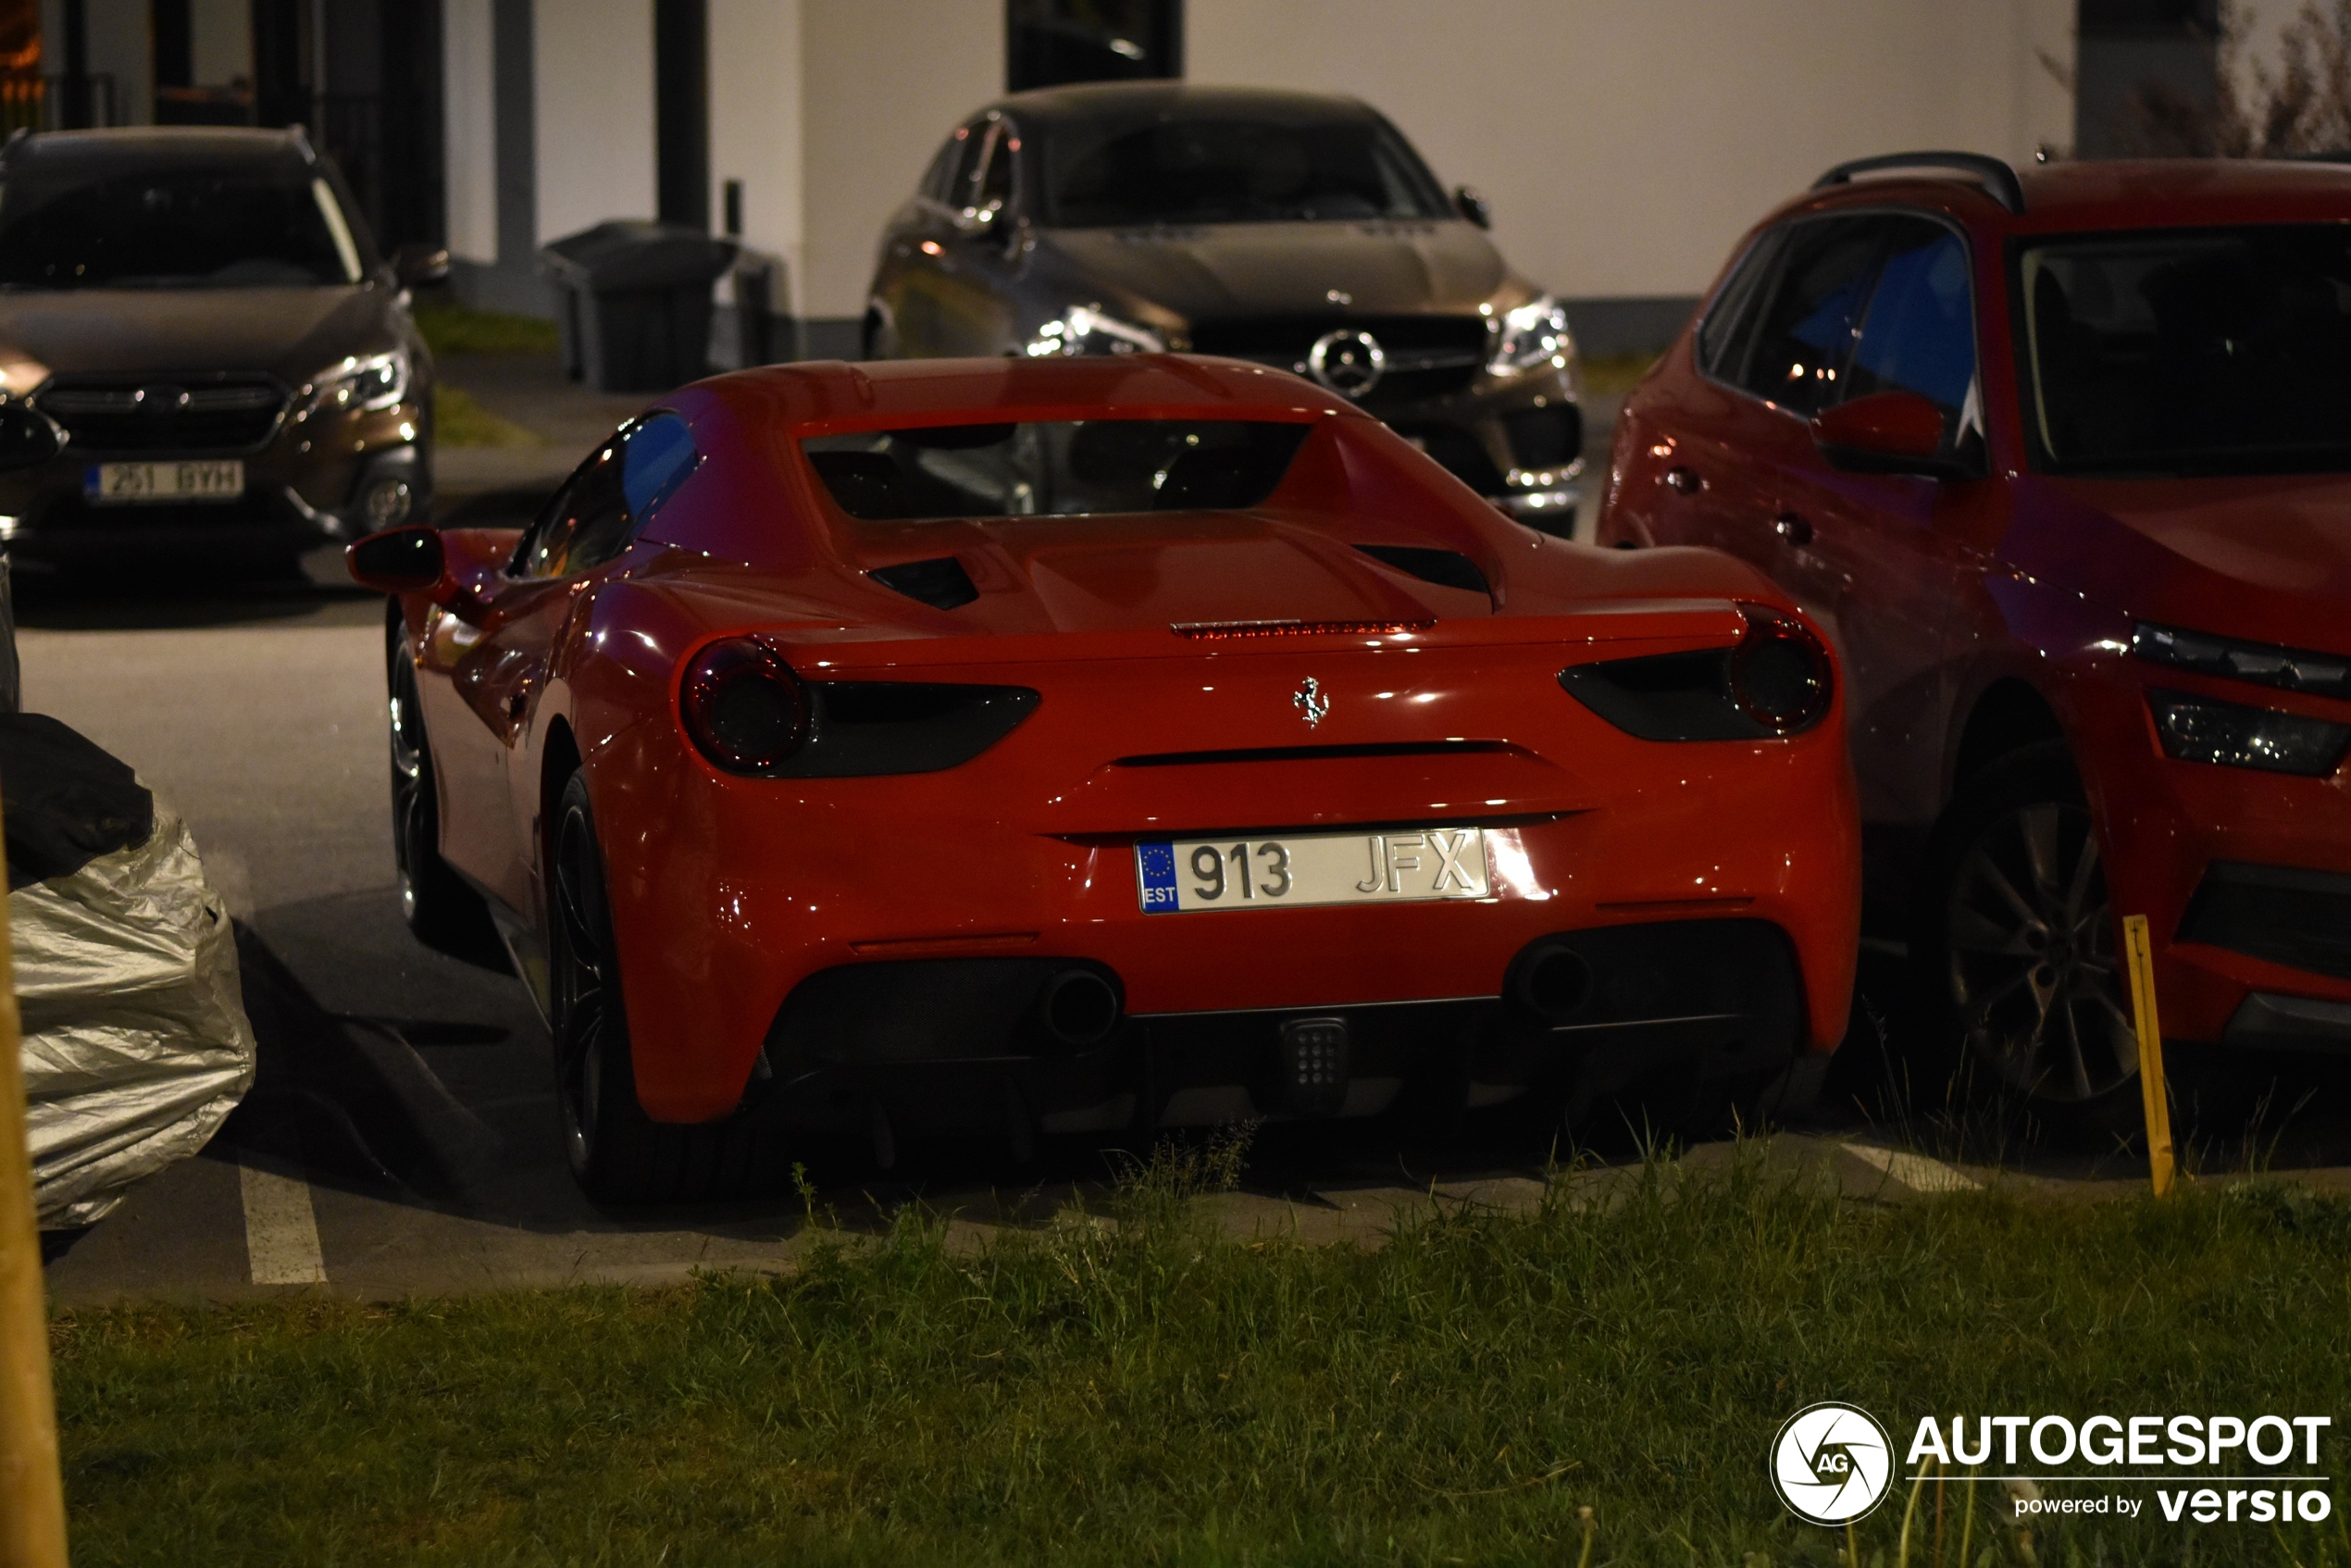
[
  {"x": 584, "y": 994},
  {"x": 2021, "y": 959},
  {"x": 440, "y": 910},
  {"x": 617, "y": 1152}
]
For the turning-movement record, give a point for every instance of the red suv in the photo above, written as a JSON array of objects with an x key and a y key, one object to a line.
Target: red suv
[{"x": 2061, "y": 462}]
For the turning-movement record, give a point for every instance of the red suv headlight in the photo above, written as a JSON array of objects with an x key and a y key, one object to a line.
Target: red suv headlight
[{"x": 743, "y": 706}]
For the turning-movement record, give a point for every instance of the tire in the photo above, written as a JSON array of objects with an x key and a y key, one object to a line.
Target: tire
[
  {"x": 441, "y": 910},
  {"x": 2018, "y": 959},
  {"x": 618, "y": 1153}
]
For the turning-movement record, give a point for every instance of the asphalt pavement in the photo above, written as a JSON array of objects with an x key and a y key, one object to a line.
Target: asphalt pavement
[{"x": 401, "y": 1137}]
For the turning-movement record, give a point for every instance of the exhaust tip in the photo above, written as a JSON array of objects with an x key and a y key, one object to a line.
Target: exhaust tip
[
  {"x": 1079, "y": 1007},
  {"x": 1553, "y": 982}
]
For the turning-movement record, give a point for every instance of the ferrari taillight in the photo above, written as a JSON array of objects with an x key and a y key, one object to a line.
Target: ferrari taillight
[
  {"x": 1776, "y": 680},
  {"x": 1780, "y": 673},
  {"x": 743, "y": 707}
]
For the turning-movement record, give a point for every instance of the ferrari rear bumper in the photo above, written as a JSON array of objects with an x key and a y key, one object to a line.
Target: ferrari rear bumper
[{"x": 983, "y": 1046}]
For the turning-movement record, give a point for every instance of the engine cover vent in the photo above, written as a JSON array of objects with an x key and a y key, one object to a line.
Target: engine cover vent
[
  {"x": 1447, "y": 568},
  {"x": 940, "y": 582}
]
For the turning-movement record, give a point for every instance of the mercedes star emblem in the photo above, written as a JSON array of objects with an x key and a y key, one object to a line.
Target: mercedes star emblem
[
  {"x": 1309, "y": 700},
  {"x": 1347, "y": 361}
]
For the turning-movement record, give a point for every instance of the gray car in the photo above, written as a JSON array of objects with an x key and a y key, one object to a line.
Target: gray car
[
  {"x": 1294, "y": 230},
  {"x": 232, "y": 362}
]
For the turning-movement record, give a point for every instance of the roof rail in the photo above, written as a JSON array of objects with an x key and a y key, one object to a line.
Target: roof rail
[{"x": 1999, "y": 180}]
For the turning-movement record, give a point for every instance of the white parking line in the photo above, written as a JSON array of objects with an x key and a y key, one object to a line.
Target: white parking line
[
  {"x": 1915, "y": 1171},
  {"x": 281, "y": 1229}
]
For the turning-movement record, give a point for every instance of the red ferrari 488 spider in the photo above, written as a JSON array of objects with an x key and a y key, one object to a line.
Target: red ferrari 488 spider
[{"x": 1095, "y": 746}]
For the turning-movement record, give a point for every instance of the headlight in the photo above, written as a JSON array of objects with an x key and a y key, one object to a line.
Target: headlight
[
  {"x": 2230, "y": 734},
  {"x": 1530, "y": 337},
  {"x": 1083, "y": 329},
  {"x": 2327, "y": 674},
  {"x": 19, "y": 376},
  {"x": 379, "y": 380}
]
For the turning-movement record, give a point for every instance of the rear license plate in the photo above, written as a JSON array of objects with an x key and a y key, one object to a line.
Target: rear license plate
[
  {"x": 1182, "y": 876},
  {"x": 114, "y": 484}
]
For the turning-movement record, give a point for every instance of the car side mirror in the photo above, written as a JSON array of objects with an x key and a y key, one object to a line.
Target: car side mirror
[
  {"x": 415, "y": 264},
  {"x": 27, "y": 437},
  {"x": 409, "y": 560},
  {"x": 1888, "y": 432},
  {"x": 1473, "y": 207}
]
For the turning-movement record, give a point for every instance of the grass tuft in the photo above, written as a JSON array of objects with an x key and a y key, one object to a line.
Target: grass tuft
[
  {"x": 1612, "y": 375},
  {"x": 451, "y": 328},
  {"x": 1596, "y": 1382},
  {"x": 459, "y": 419}
]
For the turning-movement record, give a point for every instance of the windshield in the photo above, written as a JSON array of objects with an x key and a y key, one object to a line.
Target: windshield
[
  {"x": 1055, "y": 470},
  {"x": 1234, "y": 169},
  {"x": 2209, "y": 351},
  {"x": 172, "y": 228}
]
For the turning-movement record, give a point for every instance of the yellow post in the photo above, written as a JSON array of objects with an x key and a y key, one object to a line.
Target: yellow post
[
  {"x": 33, "y": 1499},
  {"x": 2152, "y": 1094}
]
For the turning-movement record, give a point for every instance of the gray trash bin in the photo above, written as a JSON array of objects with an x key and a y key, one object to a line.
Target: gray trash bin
[{"x": 635, "y": 303}]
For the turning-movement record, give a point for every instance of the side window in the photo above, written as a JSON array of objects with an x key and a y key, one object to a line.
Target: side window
[
  {"x": 996, "y": 179},
  {"x": 1722, "y": 334},
  {"x": 978, "y": 138},
  {"x": 586, "y": 513},
  {"x": 1807, "y": 313},
  {"x": 658, "y": 457},
  {"x": 1920, "y": 333},
  {"x": 940, "y": 175},
  {"x": 615, "y": 493}
]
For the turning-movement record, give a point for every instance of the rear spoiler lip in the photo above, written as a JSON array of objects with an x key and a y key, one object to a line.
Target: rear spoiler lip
[{"x": 1597, "y": 631}]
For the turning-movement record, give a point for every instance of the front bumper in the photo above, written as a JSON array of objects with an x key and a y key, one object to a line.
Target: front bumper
[
  {"x": 2245, "y": 876},
  {"x": 305, "y": 487}
]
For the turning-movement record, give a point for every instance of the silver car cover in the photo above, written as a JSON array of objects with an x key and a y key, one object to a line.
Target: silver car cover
[{"x": 136, "y": 1044}]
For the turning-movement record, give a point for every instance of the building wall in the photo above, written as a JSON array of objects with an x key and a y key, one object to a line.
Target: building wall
[
  {"x": 122, "y": 47},
  {"x": 220, "y": 43},
  {"x": 886, "y": 80},
  {"x": 755, "y": 109},
  {"x": 469, "y": 130},
  {"x": 592, "y": 70},
  {"x": 1625, "y": 147}
]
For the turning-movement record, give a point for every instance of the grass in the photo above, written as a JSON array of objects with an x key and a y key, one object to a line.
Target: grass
[
  {"x": 1612, "y": 375},
  {"x": 1145, "y": 1392},
  {"x": 451, "y": 328},
  {"x": 459, "y": 419}
]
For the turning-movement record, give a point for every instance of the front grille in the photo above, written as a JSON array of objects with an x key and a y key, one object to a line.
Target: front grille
[
  {"x": 1545, "y": 438},
  {"x": 2299, "y": 918},
  {"x": 1459, "y": 453},
  {"x": 221, "y": 414},
  {"x": 1426, "y": 355}
]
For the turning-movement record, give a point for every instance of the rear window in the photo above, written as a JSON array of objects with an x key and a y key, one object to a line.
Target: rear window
[{"x": 1055, "y": 470}]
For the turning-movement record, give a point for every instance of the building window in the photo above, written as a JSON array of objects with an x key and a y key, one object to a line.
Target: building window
[{"x": 1049, "y": 42}]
